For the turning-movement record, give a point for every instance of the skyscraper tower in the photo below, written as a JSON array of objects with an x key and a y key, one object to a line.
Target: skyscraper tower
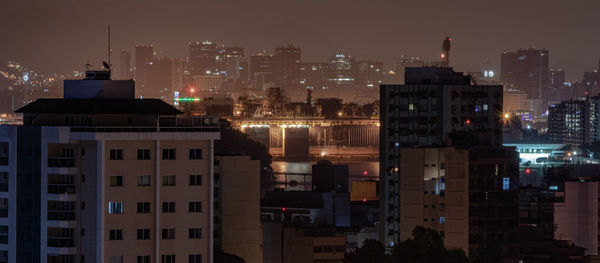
[
  {"x": 203, "y": 57},
  {"x": 125, "y": 65},
  {"x": 446, "y": 52},
  {"x": 287, "y": 67},
  {"x": 144, "y": 54}
]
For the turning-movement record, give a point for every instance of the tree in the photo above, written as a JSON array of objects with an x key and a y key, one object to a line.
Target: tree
[
  {"x": 371, "y": 251},
  {"x": 426, "y": 246}
]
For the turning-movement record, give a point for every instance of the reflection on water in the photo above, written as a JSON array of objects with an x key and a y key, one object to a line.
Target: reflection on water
[{"x": 298, "y": 174}]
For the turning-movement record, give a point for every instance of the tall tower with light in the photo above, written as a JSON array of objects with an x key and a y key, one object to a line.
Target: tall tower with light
[{"x": 445, "y": 56}]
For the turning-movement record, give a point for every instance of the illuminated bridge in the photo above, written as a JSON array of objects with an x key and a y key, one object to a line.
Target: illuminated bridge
[{"x": 313, "y": 137}]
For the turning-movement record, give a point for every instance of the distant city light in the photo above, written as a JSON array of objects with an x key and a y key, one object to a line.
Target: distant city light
[{"x": 187, "y": 99}]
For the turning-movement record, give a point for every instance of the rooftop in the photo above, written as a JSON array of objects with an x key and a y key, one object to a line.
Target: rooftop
[{"x": 100, "y": 106}]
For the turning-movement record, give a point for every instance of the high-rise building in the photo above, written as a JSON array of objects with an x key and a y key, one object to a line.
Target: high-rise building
[
  {"x": 370, "y": 73},
  {"x": 557, "y": 78},
  {"x": 125, "y": 65},
  {"x": 230, "y": 61},
  {"x": 575, "y": 122},
  {"x": 262, "y": 71},
  {"x": 460, "y": 125},
  {"x": 314, "y": 75},
  {"x": 527, "y": 70},
  {"x": 105, "y": 177},
  {"x": 203, "y": 58},
  {"x": 286, "y": 67},
  {"x": 144, "y": 54},
  {"x": 161, "y": 74},
  {"x": 342, "y": 69}
]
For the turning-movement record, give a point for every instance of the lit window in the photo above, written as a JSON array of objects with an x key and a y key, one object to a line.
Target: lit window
[
  {"x": 411, "y": 106},
  {"x": 442, "y": 220},
  {"x": 485, "y": 107},
  {"x": 115, "y": 207},
  {"x": 505, "y": 183},
  {"x": 553, "y": 187}
]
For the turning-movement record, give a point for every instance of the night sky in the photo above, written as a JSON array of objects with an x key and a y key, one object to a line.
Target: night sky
[{"x": 59, "y": 36}]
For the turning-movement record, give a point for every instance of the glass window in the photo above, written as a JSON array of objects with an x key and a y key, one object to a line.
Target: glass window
[
  {"x": 116, "y": 180},
  {"x": 195, "y": 233},
  {"x": 168, "y": 180},
  {"x": 143, "y": 180},
  {"x": 195, "y": 179},
  {"x": 143, "y": 207},
  {"x": 143, "y": 234},
  {"x": 116, "y": 154},
  {"x": 116, "y": 234},
  {"x": 115, "y": 207},
  {"x": 143, "y": 259},
  {"x": 195, "y": 154},
  {"x": 195, "y": 207},
  {"x": 505, "y": 183},
  {"x": 168, "y": 207},
  {"x": 197, "y": 258},
  {"x": 143, "y": 154},
  {"x": 168, "y": 233},
  {"x": 168, "y": 154}
]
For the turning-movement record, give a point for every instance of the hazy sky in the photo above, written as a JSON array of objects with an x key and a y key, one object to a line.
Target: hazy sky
[{"x": 61, "y": 35}]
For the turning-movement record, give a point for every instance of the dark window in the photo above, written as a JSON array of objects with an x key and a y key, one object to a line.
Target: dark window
[
  {"x": 195, "y": 207},
  {"x": 116, "y": 154},
  {"x": 168, "y": 154},
  {"x": 143, "y": 259},
  {"x": 143, "y": 180},
  {"x": 195, "y": 154},
  {"x": 168, "y": 180},
  {"x": 116, "y": 234},
  {"x": 195, "y": 233},
  {"x": 168, "y": 259},
  {"x": 143, "y": 208},
  {"x": 168, "y": 207},
  {"x": 195, "y": 259},
  {"x": 143, "y": 154},
  {"x": 3, "y": 234},
  {"x": 116, "y": 180},
  {"x": 195, "y": 179},
  {"x": 168, "y": 233},
  {"x": 143, "y": 234}
]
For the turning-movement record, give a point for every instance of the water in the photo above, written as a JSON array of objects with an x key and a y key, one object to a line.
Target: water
[{"x": 299, "y": 173}]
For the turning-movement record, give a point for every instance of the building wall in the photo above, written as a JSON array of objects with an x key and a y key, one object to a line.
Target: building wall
[
  {"x": 434, "y": 194},
  {"x": 576, "y": 218},
  {"x": 239, "y": 205},
  {"x": 8, "y": 195}
]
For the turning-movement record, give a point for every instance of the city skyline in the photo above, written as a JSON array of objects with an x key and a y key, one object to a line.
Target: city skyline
[{"x": 52, "y": 45}]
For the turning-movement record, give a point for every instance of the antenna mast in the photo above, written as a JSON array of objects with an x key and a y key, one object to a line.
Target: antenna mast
[{"x": 109, "y": 51}]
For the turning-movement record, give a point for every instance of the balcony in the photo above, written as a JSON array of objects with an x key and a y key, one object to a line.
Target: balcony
[
  {"x": 60, "y": 188},
  {"x": 3, "y": 212},
  {"x": 61, "y": 242},
  {"x": 61, "y": 162},
  {"x": 163, "y": 124},
  {"x": 3, "y": 159},
  {"x": 61, "y": 215}
]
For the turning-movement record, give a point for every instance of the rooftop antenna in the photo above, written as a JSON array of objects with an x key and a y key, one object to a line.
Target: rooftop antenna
[{"x": 109, "y": 50}]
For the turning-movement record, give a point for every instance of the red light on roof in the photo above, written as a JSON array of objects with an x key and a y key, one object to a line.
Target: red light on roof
[
  {"x": 364, "y": 200},
  {"x": 365, "y": 173},
  {"x": 527, "y": 171},
  {"x": 283, "y": 209},
  {"x": 468, "y": 121}
]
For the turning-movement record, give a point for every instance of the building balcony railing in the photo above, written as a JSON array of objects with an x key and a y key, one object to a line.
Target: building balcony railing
[
  {"x": 164, "y": 124},
  {"x": 3, "y": 212},
  {"x": 61, "y": 242},
  {"x": 3, "y": 187},
  {"x": 4, "y": 159},
  {"x": 61, "y": 162},
  {"x": 61, "y": 189},
  {"x": 61, "y": 215}
]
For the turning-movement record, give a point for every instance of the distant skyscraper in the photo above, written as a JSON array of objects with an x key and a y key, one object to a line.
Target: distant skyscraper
[
  {"x": 125, "y": 65},
  {"x": 557, "y": 78},
  {"x": 575, "y": 122},
  {"x": 229, "y": 62},
  {"x": 342, "y": 69},
  {"x": 261, "y": 70},
  {"x": 527, "y": 70},
  {"x": 203, "y": 58},
  {"x": 370, "y": 73},
  {"x": 144, "y": 54},
  {"x": 161, "y": 74},
  {"x": 313, "y": 75},
  {"x": 287, "y": 68}
]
